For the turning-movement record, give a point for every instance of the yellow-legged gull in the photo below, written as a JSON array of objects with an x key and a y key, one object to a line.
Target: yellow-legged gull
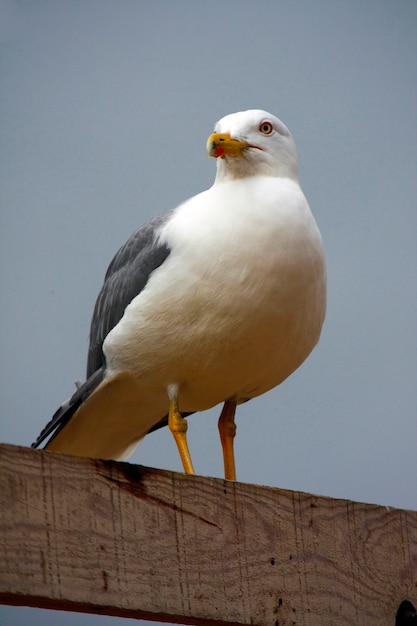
[{"x": 217, "y": 301}]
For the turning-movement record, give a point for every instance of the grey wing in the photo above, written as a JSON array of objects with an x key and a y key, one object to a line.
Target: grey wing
[{"x": 125, "y": 278}]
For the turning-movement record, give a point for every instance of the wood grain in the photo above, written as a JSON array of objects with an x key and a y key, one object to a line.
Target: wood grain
[{"x": 121, "y": 539}]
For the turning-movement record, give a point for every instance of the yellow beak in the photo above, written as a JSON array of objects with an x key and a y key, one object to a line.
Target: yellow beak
[{"x": 222, "y": 145}]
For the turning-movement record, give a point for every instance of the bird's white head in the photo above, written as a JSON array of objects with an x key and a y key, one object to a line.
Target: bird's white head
[{"x": 252, "y": 143}]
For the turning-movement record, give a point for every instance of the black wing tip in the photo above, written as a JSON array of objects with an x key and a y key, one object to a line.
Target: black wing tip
[
  {"x": 56, "y": 422},
  {"x": 64, "y": 413}
]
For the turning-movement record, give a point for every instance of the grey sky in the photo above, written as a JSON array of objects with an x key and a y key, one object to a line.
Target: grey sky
[{"x": 105, "y": 111}]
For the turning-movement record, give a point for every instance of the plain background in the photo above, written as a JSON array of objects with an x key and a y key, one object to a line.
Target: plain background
[{"x": 105, "y": 110}]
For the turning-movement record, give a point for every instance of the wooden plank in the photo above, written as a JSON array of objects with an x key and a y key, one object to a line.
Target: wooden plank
[{"x": 121, "y": 539}]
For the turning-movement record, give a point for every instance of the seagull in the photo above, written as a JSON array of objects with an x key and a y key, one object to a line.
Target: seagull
[{"x": 217, "y": 301}]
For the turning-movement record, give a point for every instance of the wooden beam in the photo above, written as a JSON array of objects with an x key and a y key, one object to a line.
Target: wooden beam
[{"x": 121, "y": 539}]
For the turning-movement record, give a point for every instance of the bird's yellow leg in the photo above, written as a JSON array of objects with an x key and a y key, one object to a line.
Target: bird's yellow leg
[
  {"x": 227, "y": 430},
  {"x": 178, "y": 426}
]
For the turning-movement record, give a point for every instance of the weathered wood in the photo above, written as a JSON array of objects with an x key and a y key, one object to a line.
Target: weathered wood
[{"x": 121, "y": 539}]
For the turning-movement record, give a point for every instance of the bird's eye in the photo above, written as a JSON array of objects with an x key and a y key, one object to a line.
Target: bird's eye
[{"x": 266, "y": 128}]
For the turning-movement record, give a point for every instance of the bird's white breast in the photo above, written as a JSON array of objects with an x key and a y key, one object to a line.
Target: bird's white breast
[{"x": 238, "y": 304}]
